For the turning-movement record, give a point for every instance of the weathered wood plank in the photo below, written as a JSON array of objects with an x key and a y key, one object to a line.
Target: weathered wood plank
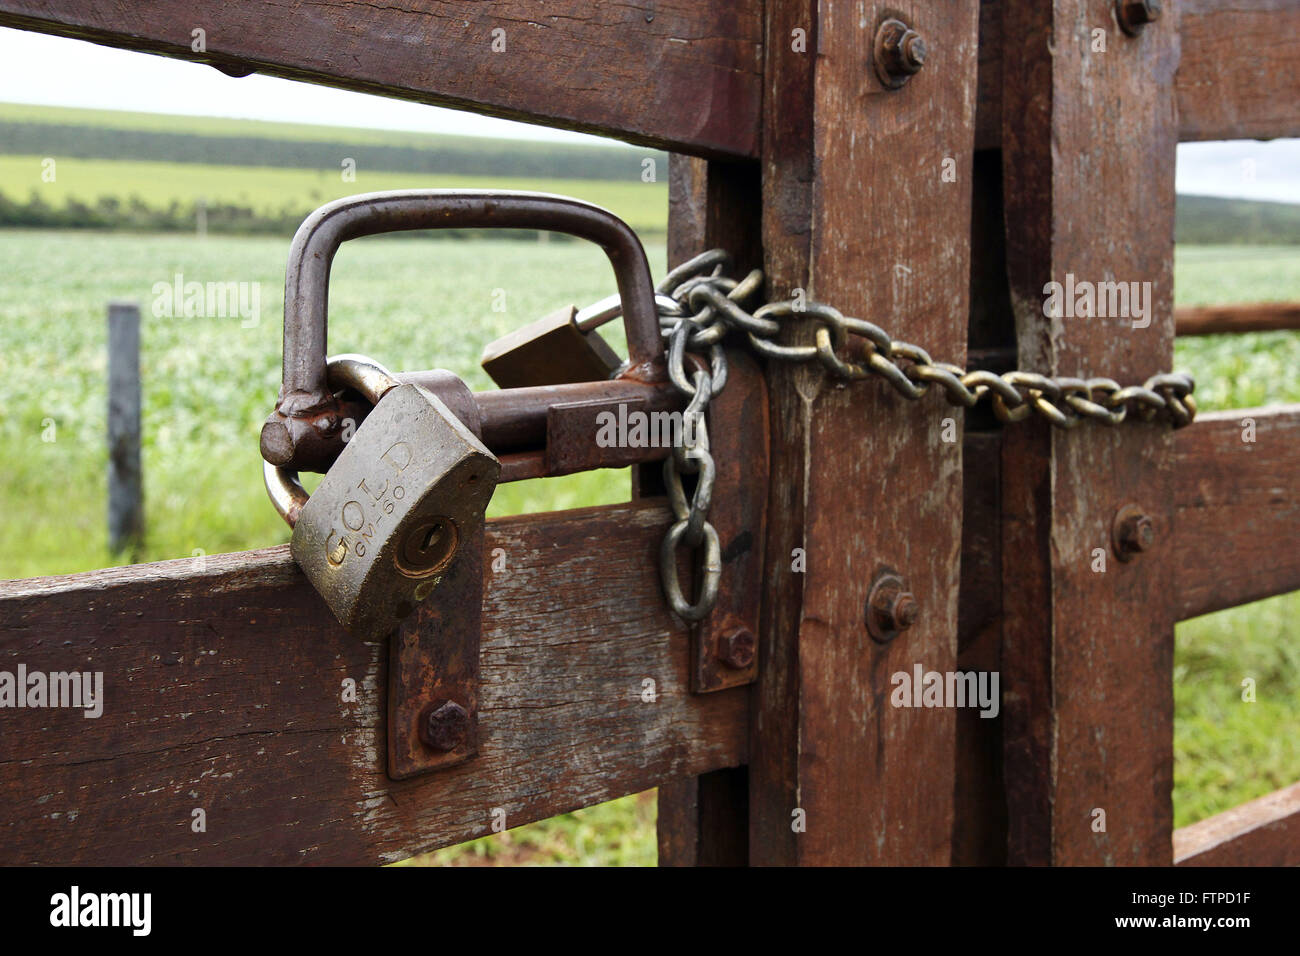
[
  {"x": 1087, "y": 654},
  {"x": 703, "y": 821},
  {"x": 625, "y": 70},
  {"x": 1238, "y": 75},
  {"x": 861, "y": 478},
  {"x": 671, "y": 73},
  {"x": 1238, "y": 522},
  {"x": 787, "y": 202},
  {"x": 1252, "y": 317},
  {"x": 1263, "y": 832},
  {"x": 1237, "y": 78},
  {"x": 222, "y": 691}
]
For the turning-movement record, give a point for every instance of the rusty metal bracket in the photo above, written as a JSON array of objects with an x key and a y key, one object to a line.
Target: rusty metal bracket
[
  {"x": 724, "y": 651},
  {"x": 433, "y": 657},
  {"x": 433, "y": 672},
  {"x": 572, "y": 431}
]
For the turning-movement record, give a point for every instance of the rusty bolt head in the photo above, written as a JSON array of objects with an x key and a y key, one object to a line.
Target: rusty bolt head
[
  {"x": 902, "y": 610},
  {"x": 900, "y": 53},
  {"x": 1132, "y": 532},
  {"x": 891, "y": 607},
  {"x": 913, "y": 52},
  {"x": 444, "y": 725},
  {"x": 736, "y": 649},
  {"x": 1133, "y": 15}
]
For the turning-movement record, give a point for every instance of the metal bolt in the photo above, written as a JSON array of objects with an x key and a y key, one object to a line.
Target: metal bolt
[
  {"x": 900, "y": 53},
  {"x": 1133, "y": 15},
  {"x": 444, "y": 725},
  {"x": 736, "y": 649},
  {"x": 1132, "y": 532},
  {"x": 902, "y": 610},
  {"x": 891, "y": 607}
]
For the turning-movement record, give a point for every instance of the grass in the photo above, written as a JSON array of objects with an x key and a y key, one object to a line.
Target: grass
[
  {"x": 618, "y": 833},
  {"x": 208, "y": 383},
  {"x": 1227, "y": 750}
]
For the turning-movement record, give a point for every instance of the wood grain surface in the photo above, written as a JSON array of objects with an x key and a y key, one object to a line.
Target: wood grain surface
[{"x": 223, "y": 691}]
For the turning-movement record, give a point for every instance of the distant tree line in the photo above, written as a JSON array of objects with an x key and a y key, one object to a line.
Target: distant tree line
[
  {"x": 135, "y": 215},
  {"x": 1210, "y": 220},
  {"x": 447, "y": 155}
]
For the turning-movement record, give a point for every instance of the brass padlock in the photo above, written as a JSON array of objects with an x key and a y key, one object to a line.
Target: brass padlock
[
  {"x": 561, "y": 348},
  {"x": 554, "y": 350},
  {"x": 389, "y": 516}
]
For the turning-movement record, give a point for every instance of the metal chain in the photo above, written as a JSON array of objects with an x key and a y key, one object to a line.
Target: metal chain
[{"x": 698, "y": 306}]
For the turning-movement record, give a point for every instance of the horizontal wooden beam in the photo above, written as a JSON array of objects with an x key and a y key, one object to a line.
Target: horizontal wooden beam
[
  {"x": 1236, "y": 77},
  {"x": 1263, "y": 832},
  {"x": 678, "y": 74},
  {"x": 1252, "y": 317},
  {"x": 224, "y": 692},
  {"x": 675, "y": 74},
  {"x": 1238, "y": 517}
]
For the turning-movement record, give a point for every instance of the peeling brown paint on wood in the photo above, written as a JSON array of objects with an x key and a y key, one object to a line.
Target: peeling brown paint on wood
[{"x": 223, "y": 692}]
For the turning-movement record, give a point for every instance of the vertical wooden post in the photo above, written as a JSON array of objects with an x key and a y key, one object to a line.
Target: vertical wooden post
[
  {"x": 703, "y": 821},
  {"x": 125, "y": 492},
  {"x": 1089, "y": 127},
  {"x": 866, "y": 197}
]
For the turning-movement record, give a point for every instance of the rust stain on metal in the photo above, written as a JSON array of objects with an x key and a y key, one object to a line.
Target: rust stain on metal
[{"x": 433, "y": 672}]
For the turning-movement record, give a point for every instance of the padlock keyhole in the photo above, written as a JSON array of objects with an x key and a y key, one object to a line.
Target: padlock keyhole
[{"x": 427, "y": 547}]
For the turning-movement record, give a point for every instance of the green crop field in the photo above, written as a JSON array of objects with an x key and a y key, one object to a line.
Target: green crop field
[
  {"x": 218, "y": 126},
  {"x": 103, "y": 169},
  {"x": 209, "y": 382},
  {"x": 288, "y": 191}
]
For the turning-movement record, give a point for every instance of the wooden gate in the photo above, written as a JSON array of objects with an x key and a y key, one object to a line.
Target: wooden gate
[{"x": 1017, "y": 153}]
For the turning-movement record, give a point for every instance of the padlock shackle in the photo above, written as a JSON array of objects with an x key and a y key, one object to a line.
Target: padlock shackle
[
  {"x": 285, "y": 491},
  {"x": 357, "y": 372},
  {"x": 305, "y": 395}
]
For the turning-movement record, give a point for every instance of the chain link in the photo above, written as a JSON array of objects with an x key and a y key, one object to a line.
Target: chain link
[{"x": 698, "y": 305}]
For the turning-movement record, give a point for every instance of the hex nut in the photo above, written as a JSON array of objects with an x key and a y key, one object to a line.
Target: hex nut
[
  {"x": 444, "y": 725},
  {"x": 899, "y": 53},
  {"x": 736, "y": 649}
]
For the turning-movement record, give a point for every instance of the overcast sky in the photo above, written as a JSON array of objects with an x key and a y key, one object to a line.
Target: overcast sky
[{"x": 51, "y": 70}]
